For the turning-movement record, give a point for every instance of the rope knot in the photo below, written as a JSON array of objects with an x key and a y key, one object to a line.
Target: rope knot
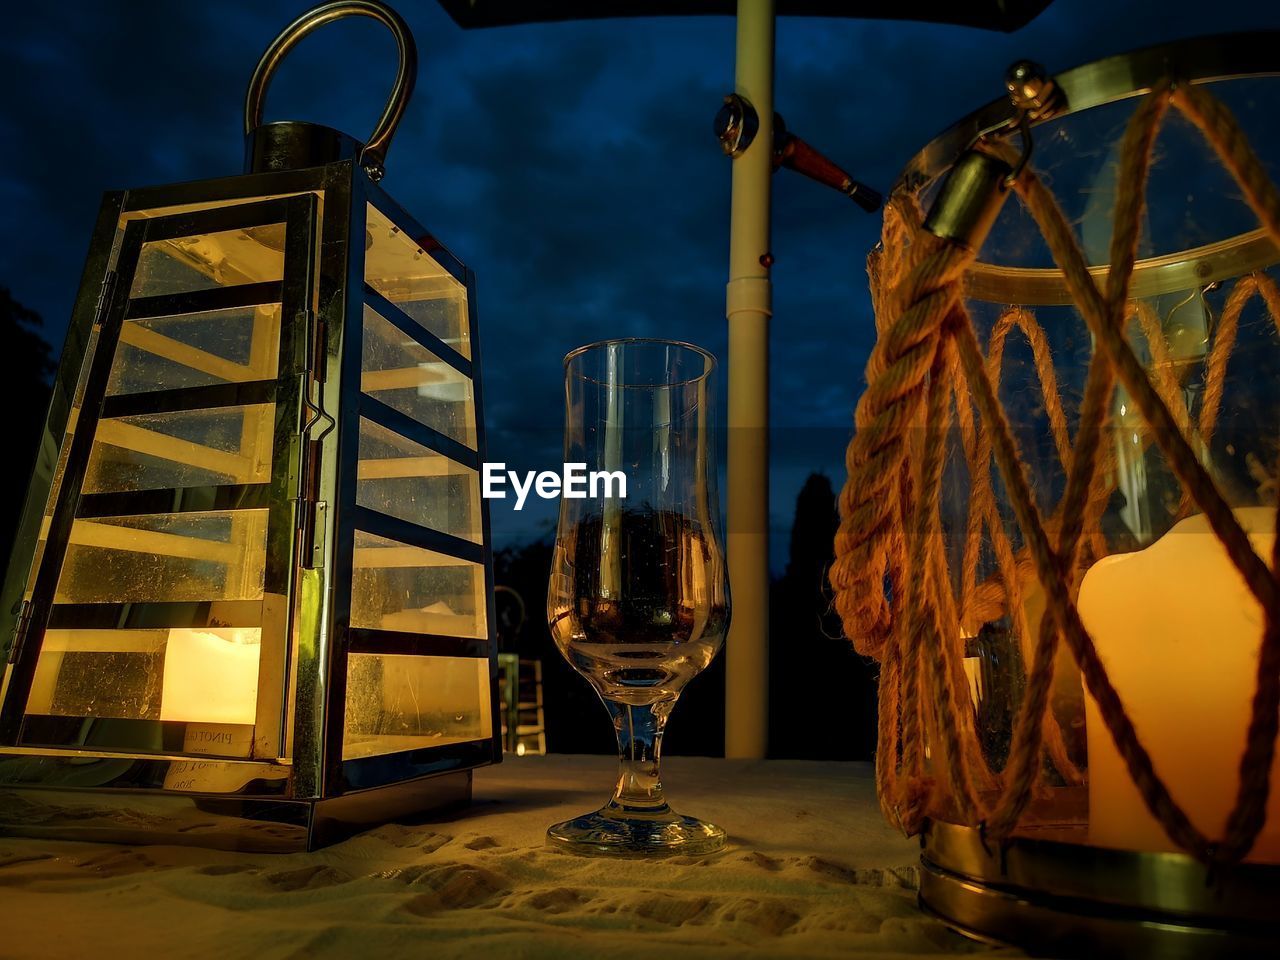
[{"x": 916, "y": 301}]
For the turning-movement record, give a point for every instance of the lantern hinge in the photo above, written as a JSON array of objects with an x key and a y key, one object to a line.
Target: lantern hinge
[
  {"x": 104, "y": 298},
  {"x": 319, "y": 511},
  {"x": 20, "y": 630},
  {"x": 311, "y": 514},
  {"x": 312, "y": 363},
  {"x": 312, "y": 345},
  {"x": 311, "y": 510}
]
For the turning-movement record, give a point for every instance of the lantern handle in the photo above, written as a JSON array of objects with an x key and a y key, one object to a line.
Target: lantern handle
[{"x": 374, "y": 154}]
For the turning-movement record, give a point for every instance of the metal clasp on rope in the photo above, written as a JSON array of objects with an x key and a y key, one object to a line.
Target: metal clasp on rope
[{"x": 974, "y": 192}]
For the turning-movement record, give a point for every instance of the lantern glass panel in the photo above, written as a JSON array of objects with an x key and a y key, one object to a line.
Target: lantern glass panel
[
  {"x": 203, "y": 262},
  {"x": 397, "y": 703},
  {"x": 237, "y": 345},
  {"x": 408, "y": 377},
  {"x": 206, "y": 675},
  {"x": 60, "y": 468},
  {"x": 406, "y": 480},
  {"x": 407, "y": 589},
  {"x": 188, "y": 448},
  {"x": 164, "y": 558},
  {"x": 399, "y": 269},
  {"x": 46, "y": 518},
  {"x": 99, "y": 673}
]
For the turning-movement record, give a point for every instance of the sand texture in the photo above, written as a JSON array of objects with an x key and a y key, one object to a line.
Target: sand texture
[{"x": 811, "y": 871}]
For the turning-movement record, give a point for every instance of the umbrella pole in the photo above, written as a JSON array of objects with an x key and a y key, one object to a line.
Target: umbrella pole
[{"x": 748, "y": 307}]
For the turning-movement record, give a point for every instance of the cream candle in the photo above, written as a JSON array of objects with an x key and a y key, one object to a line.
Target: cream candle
[
  {"x": 1179, "y": 634},
  {"x": 211, "y": 676}
]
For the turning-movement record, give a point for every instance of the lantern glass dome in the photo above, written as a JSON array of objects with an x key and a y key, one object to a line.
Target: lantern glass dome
[
  {"x": 1175, "y": 626},
  {"x": 1136, "y": 788}
]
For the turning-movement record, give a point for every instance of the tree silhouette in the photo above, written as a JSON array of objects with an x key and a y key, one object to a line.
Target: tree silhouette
[
  {"x": 26, "y": 366},
  {"x": 822, "y": 694}
]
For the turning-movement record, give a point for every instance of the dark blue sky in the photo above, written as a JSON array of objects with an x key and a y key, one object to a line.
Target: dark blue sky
[{"x": 571, "y": 165}]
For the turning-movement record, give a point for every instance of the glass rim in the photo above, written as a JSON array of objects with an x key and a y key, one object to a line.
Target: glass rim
[{"x": 708, "y": 357}]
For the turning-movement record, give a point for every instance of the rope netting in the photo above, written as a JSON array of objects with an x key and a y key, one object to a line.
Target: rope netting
[{"x": 898, "y": 595}]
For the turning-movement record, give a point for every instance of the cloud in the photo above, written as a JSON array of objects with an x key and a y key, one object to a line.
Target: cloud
[{"x": 571, "y": 165}]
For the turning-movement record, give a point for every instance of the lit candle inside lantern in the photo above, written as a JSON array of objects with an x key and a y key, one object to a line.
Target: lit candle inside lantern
[
  {"x": 1179, "y": 634},
  {"x": 211, "y": 676}
]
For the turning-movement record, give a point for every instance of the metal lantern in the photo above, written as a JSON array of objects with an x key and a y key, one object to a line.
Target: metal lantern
[
  {"x": 251, "y": 601},
  {"x": 1058, "y": 535}
]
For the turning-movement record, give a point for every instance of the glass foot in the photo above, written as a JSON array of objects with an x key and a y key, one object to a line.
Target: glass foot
[{"x": 613, "y": 831}]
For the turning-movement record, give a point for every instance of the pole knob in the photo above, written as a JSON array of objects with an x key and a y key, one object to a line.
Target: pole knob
[{"x": 736, "y": 125}]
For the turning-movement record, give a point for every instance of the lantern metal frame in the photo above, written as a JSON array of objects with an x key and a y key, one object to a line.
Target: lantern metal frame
[
  {"x": 1045, "y": 888},
  {"x": 1121, "y": 77},
  {"x": 302, "y": 793}
]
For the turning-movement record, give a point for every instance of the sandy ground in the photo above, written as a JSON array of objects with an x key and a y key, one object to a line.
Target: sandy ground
[{"x": 811, "y": 871}]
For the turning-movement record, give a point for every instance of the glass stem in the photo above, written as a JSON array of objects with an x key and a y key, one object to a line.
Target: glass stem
[{"x": 639, "y": 730}]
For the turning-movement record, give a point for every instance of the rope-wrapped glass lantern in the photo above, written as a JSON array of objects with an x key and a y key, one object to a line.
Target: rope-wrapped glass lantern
[{"x": 1058, "y": 529}]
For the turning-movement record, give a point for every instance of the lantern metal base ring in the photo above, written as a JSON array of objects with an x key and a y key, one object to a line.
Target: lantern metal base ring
[
  {"x": 227, "y": 822},
  {"x": 1052, "y": 894}
]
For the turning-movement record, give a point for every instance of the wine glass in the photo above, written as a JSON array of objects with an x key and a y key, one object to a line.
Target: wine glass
[{"x": 638, "y": 601}]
